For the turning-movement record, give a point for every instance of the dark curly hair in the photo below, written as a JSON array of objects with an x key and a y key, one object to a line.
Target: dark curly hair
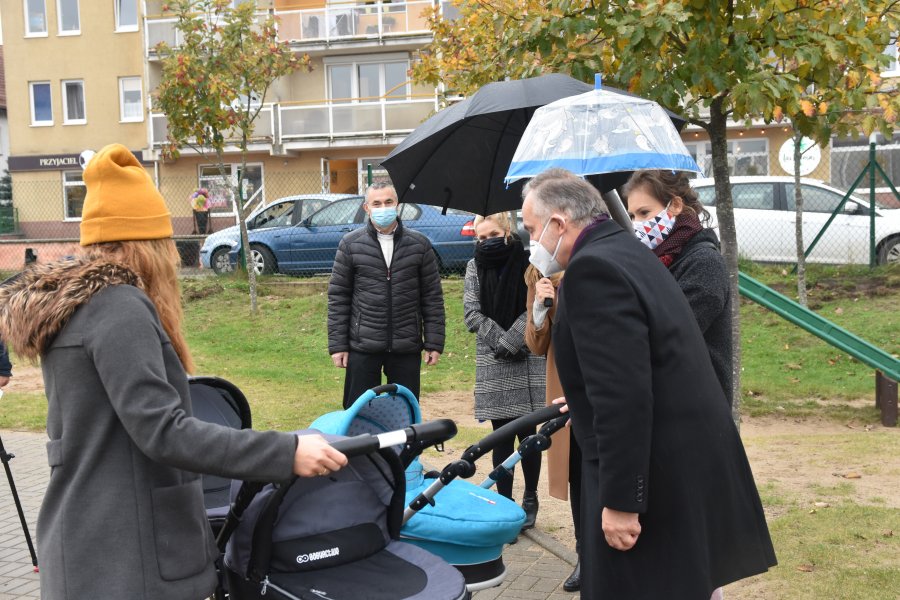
[{"x": 665, "y": 185}]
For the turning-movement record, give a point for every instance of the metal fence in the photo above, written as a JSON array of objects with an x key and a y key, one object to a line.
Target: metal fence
[
  {"x": 295, "y": 223},
  {"x": 837, "y": 226},
  {"x": 298, "y": 218}
]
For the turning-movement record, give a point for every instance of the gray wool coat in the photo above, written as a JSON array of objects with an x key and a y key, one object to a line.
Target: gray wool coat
[
  {"x": 505, "y": 388},
  {"x": 123, "y": 514},
  {"x": 703, "y": 277}
]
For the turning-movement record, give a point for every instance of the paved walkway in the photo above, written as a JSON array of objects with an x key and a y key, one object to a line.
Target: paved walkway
[{"x": 537, "y": 564}]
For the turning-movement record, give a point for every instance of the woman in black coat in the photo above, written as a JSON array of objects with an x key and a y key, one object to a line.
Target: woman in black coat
[
  {"x": 669, "y": 505},
  {"x": 670, "y": 220}
]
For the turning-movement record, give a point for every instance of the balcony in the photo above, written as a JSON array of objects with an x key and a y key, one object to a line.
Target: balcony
[
  {"x": 294, "y": 125},
  {"x": 374, "y": 21},
  {"x": 312, "y": 29}
]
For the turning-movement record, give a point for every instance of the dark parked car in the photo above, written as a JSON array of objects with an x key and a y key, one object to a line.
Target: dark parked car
[
  {"x": 311, "y": 245},
  {"x": 284, "y": 211}
]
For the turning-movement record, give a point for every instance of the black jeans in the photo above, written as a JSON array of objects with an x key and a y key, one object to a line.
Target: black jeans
[{"x": 364, "y": 372}]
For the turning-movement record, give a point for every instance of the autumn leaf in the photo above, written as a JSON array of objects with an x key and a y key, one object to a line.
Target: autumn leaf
[{"x": 807, "y": 108}]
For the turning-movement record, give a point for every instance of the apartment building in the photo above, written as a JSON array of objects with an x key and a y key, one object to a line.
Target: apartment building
[
  {"x": 319, "y": 129},
  {"x": 79, "y": 74}
]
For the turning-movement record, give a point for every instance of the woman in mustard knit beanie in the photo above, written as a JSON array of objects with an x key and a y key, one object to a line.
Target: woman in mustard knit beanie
[{"x": 123, "y": 514}]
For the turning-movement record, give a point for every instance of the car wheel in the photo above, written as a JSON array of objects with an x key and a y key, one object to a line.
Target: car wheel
[
  {"x": 219, "y": 262},
  {"x": 889, "y": 253},
  {"x": 262, "y": 260}
]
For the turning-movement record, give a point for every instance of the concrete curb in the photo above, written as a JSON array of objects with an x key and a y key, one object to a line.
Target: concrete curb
[{"x": 552, "y": 546}]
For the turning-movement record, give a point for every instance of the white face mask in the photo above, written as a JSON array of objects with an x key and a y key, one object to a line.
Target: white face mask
[
  {"x": 652, "y": 233},
  {"x": 541, "y": 258}
]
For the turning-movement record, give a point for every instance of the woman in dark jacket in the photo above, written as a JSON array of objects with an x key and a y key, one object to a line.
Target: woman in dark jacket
[
  {"x": 509, "y": 380},
  {"x": 123, "y": 513},
  {"x": 670, "y": 220}
]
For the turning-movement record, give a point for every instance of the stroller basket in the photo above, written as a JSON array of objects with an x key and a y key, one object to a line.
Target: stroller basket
[{"x": 335, "y": 537}]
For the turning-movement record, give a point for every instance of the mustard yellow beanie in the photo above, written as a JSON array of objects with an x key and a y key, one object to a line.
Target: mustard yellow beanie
[{"x": 121, "y": 204}]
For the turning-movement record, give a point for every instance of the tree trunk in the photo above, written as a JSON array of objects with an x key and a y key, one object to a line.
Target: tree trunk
[
  {"x": 718, "y": 122},
  {"x": 798, "y": 221},
  {"x": 242, "y": 213}
]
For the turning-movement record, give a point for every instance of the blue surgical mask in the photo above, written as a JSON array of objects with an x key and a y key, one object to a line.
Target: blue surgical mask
[{"x": 383, "y": 215}]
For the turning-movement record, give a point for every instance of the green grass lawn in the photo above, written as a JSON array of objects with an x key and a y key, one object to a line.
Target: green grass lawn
[{"x": 280, "y": 359}]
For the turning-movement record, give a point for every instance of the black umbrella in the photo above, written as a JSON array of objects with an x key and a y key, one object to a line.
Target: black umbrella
[{"x": 459, "y": 157}]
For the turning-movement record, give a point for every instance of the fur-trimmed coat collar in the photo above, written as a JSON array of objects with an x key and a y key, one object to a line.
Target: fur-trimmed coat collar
[{"x": 37, "y": 304}]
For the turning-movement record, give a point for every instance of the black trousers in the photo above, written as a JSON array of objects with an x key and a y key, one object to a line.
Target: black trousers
[
  {"x": 531, "y": 465},
  {"x": 364, "y": 372},
  {"x": 575, "y": 485}
]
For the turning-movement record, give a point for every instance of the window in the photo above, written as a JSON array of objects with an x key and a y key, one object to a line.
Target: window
[
  {"x": 309, "y": 206},
  {"x": 342, "y": 212},
  {"x": 35, "y": 18},
  {"x": 126, "y": 15},
  {"x": 67, "y": 14},
  {"x": 849, "y": 156},
  {"x": 815, "y": 199},
  {"x": 131, "y": 104},
  {"x": 73, "y": 103},
  {"x": 41, "y": 109},
  {"x": 893, "y": 69},
  {"x": 74, "y": 192},
  {"x": 278, "y": 215},
  {"x": 410, "y": 212},
  {"x": 221, "y": 191},
  {"x": 745, "y": 157},
  {"x": 366, "y": 79},
  {"x": 758, "y": 196}
]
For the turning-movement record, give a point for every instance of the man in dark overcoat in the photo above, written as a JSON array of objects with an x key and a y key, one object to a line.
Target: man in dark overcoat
[{"x": 669, "y": 506}]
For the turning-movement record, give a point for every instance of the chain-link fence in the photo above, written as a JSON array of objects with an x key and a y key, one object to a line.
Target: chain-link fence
[
  {"x": 295, "y": 223},
  {"x": 298, "y": 218},
  {"x": 836, "y": 228}
]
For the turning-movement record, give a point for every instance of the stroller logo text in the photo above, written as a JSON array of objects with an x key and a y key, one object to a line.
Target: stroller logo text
[{"x": 313, "y": 556}]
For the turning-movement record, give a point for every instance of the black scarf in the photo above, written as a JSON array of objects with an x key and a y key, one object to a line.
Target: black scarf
[{"x": 501, "y": 281}]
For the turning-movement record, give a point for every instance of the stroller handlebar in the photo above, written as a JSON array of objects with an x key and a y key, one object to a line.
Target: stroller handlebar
[
  {"x": 525, "y": 423},
  {"x": 430, "y": 432}
]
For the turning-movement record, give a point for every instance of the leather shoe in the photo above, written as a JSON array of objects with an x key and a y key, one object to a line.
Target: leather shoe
[
  {"x": 530, "y": 506},
  {"x": 573, "y": 582}
]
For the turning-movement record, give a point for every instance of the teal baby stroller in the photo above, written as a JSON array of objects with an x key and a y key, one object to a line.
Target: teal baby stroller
[{"x": 469, "y": 526}]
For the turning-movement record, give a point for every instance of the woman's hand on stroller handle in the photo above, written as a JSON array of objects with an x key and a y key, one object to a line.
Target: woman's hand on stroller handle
[{"x": 314, "y": 457}]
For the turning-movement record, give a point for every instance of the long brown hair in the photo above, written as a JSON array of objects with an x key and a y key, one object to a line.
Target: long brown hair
[
  {"x": 156, "y": 263},
  {"x": 665, "y": 185}
]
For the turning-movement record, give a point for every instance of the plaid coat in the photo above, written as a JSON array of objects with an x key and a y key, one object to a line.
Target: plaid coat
[{"x": 509, "y": 380}]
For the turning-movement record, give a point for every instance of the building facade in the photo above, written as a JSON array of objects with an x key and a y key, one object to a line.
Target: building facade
[{"x": 79, "y": 75}]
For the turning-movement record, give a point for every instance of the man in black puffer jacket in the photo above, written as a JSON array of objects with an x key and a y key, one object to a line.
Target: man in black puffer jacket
[{"x": 385, "y": 303}]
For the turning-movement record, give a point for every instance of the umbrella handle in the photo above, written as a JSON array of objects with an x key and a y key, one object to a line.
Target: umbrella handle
[{"x": 617, "y": 209}]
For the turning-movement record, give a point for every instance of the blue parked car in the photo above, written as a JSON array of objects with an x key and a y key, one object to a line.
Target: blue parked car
[
  {"x": 289, "y": 210},
  {"x": 311, "y": 245}
]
